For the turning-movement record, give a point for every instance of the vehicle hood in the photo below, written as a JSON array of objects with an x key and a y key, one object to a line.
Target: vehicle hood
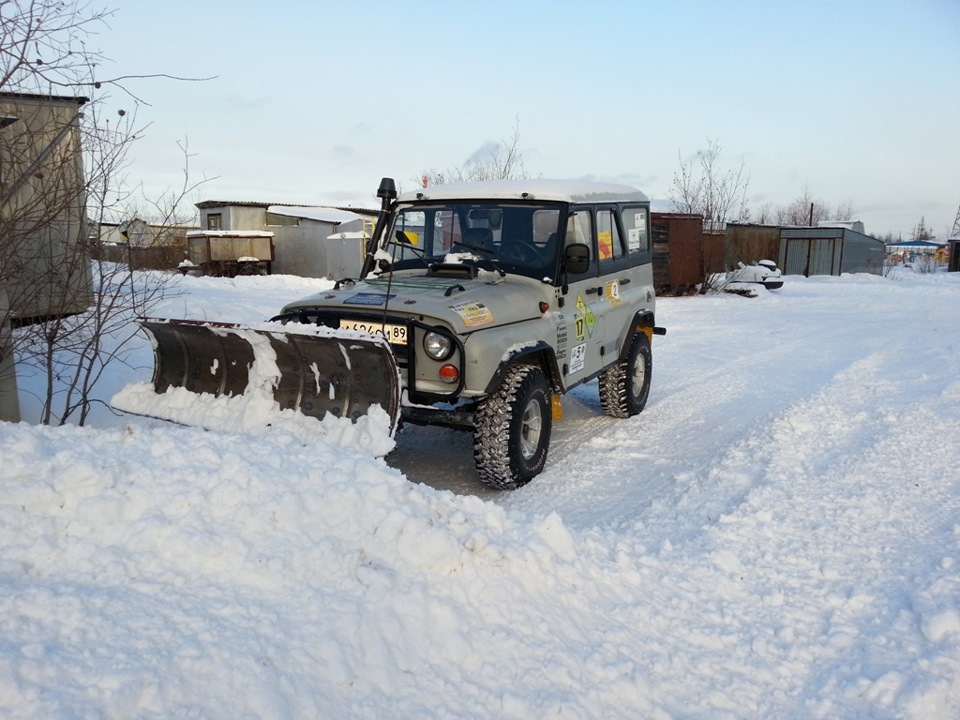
[{"x": 463, "y": 304}]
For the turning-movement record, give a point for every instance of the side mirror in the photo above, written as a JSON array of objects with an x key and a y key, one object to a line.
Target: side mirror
[{"x": 576, "y": 258}]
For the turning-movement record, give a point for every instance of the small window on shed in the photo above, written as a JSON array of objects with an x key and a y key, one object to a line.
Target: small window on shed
[
  {"x": 214, "y": 221},
  {"x": 635, "y": 226}
]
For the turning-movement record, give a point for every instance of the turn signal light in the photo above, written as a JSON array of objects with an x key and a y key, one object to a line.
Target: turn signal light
[
  {"x": 449, "y": 373},
  {"x": 544, "y": 306}
]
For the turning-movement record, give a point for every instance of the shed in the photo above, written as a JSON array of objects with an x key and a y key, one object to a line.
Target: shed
[
  {"x": 301, "y": 233},
  {"x": 43, "y": 225},
  {"x": 231, "y": 252},
  {"x": 954, "y": 246},
  {"x": 829, "y": 251},
  {"x": 683, "y": 251},
  {"x": 44, "y": 268}
]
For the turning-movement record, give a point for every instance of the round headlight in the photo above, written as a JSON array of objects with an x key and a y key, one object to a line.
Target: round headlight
[{"x": 437, "y": 346}]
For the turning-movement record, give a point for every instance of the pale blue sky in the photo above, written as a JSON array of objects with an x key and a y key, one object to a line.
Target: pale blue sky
[{"x": 313, "y": 102}]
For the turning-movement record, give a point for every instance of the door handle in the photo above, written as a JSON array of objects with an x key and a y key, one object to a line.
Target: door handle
[
  {"x": 591, "y": 291},
  {"x": 624, "y": 281}
]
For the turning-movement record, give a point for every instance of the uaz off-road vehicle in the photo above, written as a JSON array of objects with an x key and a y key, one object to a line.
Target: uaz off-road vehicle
[{"x": 478, "y": 305}]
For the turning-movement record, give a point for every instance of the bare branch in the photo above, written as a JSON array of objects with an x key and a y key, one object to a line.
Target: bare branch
[{"x": 501, "y": 160}]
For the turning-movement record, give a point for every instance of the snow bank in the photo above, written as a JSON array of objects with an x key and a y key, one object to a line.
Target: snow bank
[{"x": 777, "y": 535}]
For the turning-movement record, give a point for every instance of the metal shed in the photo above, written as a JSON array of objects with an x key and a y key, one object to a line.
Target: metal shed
[
  {"x": 683, "y": 251},
  {"x": 829, "y": 251}
]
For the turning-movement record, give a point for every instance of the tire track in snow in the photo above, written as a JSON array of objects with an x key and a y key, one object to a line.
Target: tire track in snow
[{"x": 837, "y": 528}]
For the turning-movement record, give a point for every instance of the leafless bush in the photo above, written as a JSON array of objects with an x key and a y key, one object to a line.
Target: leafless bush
[{"x": 494, "y": 161}]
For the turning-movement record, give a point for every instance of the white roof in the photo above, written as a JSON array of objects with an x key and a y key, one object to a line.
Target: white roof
[
  {"x": 538, "y": 189},
  {"x": 229, "y": 233},
  {"x": 322, "y": 214}
]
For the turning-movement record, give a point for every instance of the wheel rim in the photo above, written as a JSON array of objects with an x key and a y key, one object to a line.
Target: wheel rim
[
  {"x": 531, "y": 429},
  {"x": 638, "y": 376}
]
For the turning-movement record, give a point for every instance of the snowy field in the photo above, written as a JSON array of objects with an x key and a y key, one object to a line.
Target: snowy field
[{"x": 776, "y": 536}]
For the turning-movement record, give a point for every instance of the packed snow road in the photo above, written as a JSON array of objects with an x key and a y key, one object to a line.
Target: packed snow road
[
  {"x": 777, "y": 535},
  {"x": 727, "y": 368}
]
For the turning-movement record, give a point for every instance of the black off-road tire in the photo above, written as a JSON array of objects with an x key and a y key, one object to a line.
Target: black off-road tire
[
  {"x": 624, "y": 387},
  {"x": 512, "y": 429}
]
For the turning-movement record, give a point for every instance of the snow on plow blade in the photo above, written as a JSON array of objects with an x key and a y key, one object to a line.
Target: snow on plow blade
[{"x": 256, "y": 371}]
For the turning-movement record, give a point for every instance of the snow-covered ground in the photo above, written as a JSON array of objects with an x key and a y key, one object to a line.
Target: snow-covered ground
[{"x": 776, "y": 536}]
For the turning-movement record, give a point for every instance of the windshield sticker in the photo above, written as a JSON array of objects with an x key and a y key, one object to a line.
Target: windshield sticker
[
  {"x": 612, "y": 292},
  {"x": 368, "y": 299},
  {"x": 473, "y": 313},
  {"x": 605, "y": 244},
  {"x": 577, "y": 357},
  {"x": 633, "y": 240}
]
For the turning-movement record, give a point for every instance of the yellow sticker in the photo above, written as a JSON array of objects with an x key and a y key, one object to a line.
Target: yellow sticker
[
  {"x": 473, "y": 313},
  {"x": 612, "y": 292},
  {"x": 584, "y": 319}
]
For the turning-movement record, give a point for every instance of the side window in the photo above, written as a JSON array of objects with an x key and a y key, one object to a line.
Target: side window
[
  {"x": 580, "y": 229},
  {"x": 609, "y": 242},
  {"x": 635, "y": 226}
]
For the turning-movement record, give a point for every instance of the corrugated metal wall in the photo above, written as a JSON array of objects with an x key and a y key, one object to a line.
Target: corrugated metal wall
[
  {"x": 862, "y": 254},
  {"x": 829, "y": 251}
]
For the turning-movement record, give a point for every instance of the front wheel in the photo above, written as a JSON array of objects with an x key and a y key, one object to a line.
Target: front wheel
[
  {"x": 512, "y": 429},
  {"x": 624, "y": 387}
]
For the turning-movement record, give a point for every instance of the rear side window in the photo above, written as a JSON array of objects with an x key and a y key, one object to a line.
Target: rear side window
[
  {"x": 635, "y": 227},
  {"x": 609, "y": 241}
]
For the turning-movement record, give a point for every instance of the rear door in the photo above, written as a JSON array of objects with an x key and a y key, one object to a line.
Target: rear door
[{"x": 625, "y": 271}]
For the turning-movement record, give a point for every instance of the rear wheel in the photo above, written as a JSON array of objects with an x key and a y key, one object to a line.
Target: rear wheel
[
  {"x": 624, "y": 387},
  {"x": 512, "y": 429}
]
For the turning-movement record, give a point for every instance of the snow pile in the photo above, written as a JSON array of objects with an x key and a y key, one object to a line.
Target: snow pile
[{"x": 777, "y": 535}]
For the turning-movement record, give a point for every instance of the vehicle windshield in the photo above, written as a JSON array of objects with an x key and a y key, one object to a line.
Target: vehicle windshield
[{"x": 514, "y": 237}]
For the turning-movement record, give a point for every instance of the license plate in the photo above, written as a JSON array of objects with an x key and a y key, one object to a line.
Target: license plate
[{"x": 395, "y": 334}]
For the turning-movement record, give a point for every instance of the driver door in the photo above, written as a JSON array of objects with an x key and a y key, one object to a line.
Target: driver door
[{"x": 583, "y": 306}]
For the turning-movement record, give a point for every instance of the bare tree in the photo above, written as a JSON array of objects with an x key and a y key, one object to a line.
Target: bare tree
[
  {"x": 922, "y": 232},
  {"x": 805, "y": 210},
  {"x": 703, "y": 187},
  {"x": 63, "y": 171},
  {"x": 493, "y": 161}
]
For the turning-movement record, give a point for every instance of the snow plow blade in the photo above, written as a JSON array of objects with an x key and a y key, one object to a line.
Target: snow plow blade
[{"x": 308, "y": 369}]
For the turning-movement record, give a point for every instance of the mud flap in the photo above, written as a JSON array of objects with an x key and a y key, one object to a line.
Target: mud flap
[{"x": 310, "y": 370}]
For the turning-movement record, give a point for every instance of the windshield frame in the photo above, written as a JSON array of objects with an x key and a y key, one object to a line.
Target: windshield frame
[{"x": 523, "y": 236}]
